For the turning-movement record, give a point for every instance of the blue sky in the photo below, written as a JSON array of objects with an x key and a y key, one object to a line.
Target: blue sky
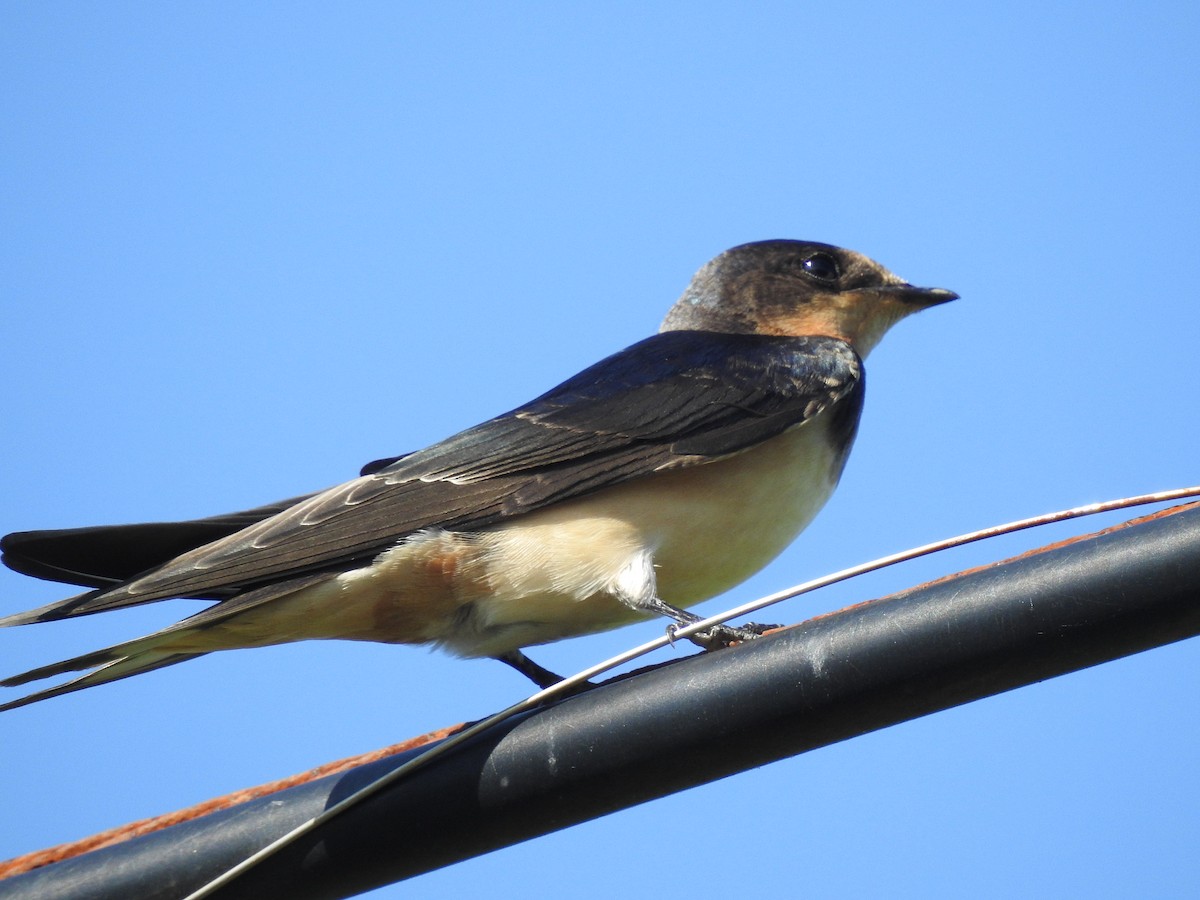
[{"x": 247, "y": 248}]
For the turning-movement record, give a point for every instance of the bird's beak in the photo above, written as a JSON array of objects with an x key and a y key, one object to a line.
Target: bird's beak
[{"x": 918, "y": 297}]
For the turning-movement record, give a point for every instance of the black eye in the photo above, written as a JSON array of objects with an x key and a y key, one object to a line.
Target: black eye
[{"x": 822, "y": 266}]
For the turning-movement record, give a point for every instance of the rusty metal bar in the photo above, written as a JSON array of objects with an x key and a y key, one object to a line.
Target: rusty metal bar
[{"x": 691, "y": 721}]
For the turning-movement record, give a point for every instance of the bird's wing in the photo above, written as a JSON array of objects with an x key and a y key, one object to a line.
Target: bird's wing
[
  {"x": 104, "y": 556},
  {"x": 676, "y": 399}
]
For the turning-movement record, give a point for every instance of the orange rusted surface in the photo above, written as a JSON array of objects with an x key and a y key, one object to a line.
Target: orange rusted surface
[
  {"x": 1036, "y": 551},
  {"x": 40, "y": 858},
  {"x": 1065, "y": 542}
]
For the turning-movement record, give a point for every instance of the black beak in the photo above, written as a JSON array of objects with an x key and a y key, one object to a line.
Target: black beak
[{"x": 921, "y": 298}]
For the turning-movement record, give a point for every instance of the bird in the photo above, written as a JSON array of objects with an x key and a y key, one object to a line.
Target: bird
[{"x": 661, "y": 476}]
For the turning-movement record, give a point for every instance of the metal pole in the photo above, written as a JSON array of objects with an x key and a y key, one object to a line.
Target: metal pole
[{"x": 686, "y": 723}]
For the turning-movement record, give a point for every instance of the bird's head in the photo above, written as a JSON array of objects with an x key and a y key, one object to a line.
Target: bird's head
[{"x": 799, "y": 288}]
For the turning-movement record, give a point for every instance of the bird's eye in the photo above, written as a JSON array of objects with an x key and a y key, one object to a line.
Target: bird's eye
[{"x": 822, "y": 266}]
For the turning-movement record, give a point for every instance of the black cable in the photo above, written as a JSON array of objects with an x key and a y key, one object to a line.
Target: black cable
[{"x": 685, "y": 723}]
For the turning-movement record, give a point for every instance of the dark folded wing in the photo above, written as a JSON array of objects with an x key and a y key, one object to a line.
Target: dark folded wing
[
  {"x": 107, "y": 555},
  {"x": 676, "y": 399}
]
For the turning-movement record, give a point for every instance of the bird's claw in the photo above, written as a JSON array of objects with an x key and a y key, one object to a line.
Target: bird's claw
[{"x": 722, "y": 635}]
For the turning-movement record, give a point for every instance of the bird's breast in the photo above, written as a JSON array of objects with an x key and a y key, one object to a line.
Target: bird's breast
[
  {"x": 712, "y": 526},
  {"x": 690, "y": 534},
  {"x": 687, "y": 534}
]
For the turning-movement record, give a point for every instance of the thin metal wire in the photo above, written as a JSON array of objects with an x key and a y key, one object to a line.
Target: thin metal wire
[{"x": 579, "y": 678}]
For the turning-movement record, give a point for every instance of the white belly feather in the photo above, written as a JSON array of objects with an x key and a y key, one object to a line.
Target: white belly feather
[{"x": 561, "y": 571}]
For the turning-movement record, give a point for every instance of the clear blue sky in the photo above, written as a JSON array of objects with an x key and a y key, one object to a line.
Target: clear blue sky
[{"x": 247, "y": 248}]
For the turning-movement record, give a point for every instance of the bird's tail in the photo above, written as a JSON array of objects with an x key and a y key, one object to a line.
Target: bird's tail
[
  {"x": 187, "y": 639},
  {"x": 110, "y": 664}
]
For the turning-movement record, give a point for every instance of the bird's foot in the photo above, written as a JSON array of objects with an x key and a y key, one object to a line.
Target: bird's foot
[
  {"x": 539, "y": 675},
  {"x": 723, "y": 635}
]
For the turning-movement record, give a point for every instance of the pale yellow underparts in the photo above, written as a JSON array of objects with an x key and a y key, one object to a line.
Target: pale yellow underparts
[{"x": 564, "y": 570}]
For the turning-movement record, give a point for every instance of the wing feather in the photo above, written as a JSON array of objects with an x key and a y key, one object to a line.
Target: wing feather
[{"x": 676, "y": 399}]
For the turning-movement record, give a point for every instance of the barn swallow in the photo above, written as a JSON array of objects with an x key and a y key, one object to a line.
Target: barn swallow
[{"x": 657, "y": 478}]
